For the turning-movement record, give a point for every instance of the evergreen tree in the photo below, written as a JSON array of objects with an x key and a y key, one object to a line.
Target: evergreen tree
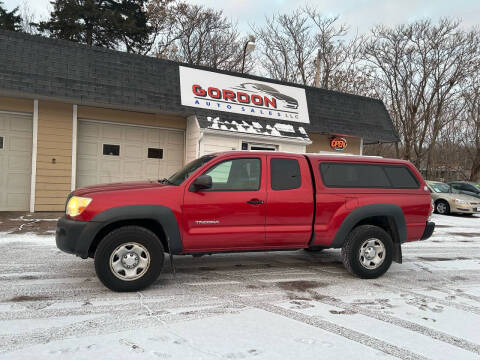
[
  {"x": 10, "y": 20},
  {"x": 131, "y": 25},
  {"x": 107, "y": 23}
]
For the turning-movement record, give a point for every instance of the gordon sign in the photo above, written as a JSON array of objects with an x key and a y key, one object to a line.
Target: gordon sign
[{"x": 214, "y": 91}]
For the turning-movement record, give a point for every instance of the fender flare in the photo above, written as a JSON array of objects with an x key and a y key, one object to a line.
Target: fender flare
[
  {"x": 161, "y": 214},
  {"x": 391, "y": 210}
]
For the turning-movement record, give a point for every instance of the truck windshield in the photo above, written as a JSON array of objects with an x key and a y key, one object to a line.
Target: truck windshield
[{"x": 183, "y": 174}]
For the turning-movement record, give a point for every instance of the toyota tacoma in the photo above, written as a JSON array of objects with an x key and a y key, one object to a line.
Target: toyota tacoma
[{"x": 250, "y": 201}]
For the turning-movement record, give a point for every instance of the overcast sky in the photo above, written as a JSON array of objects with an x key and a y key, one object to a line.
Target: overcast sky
[{"x": 358, "y": 14}]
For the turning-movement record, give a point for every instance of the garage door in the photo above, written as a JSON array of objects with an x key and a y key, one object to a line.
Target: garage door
[
  {"x": 112, "y": 153},
  {"x": 15, "y": 161}
]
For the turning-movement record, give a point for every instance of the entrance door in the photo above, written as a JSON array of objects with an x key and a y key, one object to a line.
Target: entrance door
[{"x": 230, "y": 215}]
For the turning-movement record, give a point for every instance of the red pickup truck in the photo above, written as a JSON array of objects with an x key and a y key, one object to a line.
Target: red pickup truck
[{"x": 250, "y": 201}]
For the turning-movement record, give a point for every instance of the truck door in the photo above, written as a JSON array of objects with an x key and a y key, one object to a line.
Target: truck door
[
  {"x": 230, "y": 215},
  {"x": 290, "y": 202}
]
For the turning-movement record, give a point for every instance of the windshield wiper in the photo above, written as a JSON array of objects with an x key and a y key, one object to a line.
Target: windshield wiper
[{"x": 165, "y": 181}]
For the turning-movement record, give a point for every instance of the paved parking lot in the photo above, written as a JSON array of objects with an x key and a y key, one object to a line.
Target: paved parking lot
[{"x": 279, "y": 305}]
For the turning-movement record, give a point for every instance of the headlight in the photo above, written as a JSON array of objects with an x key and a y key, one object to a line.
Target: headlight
[
  {"x": 460, "y": 201},
  {"x": 76, "y": 205}
]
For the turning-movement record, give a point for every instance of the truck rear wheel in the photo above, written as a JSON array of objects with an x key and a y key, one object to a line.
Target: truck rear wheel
[
  {"x": 129, "y": 258},
  {"x": 367, "y": 252}
]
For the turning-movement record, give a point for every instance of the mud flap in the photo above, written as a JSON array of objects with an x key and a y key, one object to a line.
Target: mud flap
[{"x": 397, "y": 252}]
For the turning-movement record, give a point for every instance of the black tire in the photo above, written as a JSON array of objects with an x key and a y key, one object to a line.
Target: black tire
[
  {"x": 442, "y": 207},
  {"x": 118, "y": 238},
  {"x": 351, "y": 251}
]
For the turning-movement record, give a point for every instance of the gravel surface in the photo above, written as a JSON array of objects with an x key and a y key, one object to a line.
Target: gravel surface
[{"x": 279, "y": 305}]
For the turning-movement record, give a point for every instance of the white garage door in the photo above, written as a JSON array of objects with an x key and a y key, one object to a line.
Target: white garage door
[
  {"x": 15, "y": 161},
  {"x": 112, "y": 153}
]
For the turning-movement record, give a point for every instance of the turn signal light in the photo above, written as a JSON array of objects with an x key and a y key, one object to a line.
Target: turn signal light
[{"x": 76, "y": 205}]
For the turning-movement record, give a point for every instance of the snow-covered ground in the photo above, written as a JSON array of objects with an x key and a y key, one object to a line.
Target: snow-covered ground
[{"x": 280, "y": 305}]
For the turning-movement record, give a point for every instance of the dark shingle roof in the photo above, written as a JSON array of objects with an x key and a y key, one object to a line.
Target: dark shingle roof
[{"x": 34, "y": 66}]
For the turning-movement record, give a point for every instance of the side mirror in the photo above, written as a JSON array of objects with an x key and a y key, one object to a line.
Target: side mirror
[{"x": 202, "y": 182}]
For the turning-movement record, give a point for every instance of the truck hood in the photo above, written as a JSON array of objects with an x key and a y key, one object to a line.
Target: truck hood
[{"x": 134, "y": 185}]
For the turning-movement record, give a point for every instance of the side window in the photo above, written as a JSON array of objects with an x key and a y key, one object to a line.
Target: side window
[
  {"x": 401, "y": 178},
  {"x": 220, "y": 172},
  {"x": 470, "y": 188},
  {"x": 236, "y": 175},
  {"x": 285, "y": 174},
  {"x": 350, "y": 175}
]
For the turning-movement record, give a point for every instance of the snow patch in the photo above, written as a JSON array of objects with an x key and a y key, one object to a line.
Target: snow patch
[{"x": 285, "y": 128}]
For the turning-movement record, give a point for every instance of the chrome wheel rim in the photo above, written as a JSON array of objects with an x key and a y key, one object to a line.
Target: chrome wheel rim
[
  {"x": 129, "y": 261},
  {"x": 372, "y": 253},
  {"x": 441, "y": 208}
]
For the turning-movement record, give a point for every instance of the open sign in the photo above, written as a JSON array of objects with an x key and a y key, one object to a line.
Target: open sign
[{"x": 338, "y": 143}]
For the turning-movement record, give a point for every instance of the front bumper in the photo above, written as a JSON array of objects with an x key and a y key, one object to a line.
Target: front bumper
[
  {"x": 430, "y": 226},
  {"x": 466, "y": 209},
  {"x": 75, "y": 237}
]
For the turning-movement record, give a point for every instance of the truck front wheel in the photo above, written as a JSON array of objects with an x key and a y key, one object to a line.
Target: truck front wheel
[
  {"x": 129, "y": 258},
  {"x": 367, "y": 252}
]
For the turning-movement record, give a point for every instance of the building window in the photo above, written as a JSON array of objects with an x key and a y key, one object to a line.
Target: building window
[
  {"x": 259, "y": 147},
  {"x": 154, "y": 153},
  {"x": 1, "y": 142},
  {"x": 112, "y": 150}
]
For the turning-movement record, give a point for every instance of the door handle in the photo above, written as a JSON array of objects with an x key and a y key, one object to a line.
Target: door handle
[{"x": 255, "y": 202}]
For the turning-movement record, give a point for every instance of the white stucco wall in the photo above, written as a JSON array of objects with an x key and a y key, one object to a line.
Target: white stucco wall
[
  {"x": 293, "y": 148},
  {"x": 199, "y": 142},
  {"x": 215, "y": 143},
  {"x": 192, "y": 137}
]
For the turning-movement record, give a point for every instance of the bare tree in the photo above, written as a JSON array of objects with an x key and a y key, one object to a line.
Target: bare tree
[
  {"x": 28, "y": 19},
  {"x": 470, "y": 124},
  {"x": 339, "y": 64},
  {"x": 311, "y": 49},
  {"x": 201, "y": 36},
  {"x": 419, "y": 68},
  {"x": 287, "y": 46}
]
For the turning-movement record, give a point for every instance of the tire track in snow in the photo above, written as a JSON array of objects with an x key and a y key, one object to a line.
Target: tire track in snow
[
  {"x": 332, "y": 301},
  {"x": 104, "y": 325},
  {"x": 434, "y": 334},
  {"x": 337, "y": 330}
]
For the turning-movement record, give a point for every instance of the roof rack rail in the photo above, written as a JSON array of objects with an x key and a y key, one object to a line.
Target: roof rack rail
[{"x": 347, "y": 154}]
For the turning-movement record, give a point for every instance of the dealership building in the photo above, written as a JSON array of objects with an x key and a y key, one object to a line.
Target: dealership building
[{"x": 73, "y": 115}]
